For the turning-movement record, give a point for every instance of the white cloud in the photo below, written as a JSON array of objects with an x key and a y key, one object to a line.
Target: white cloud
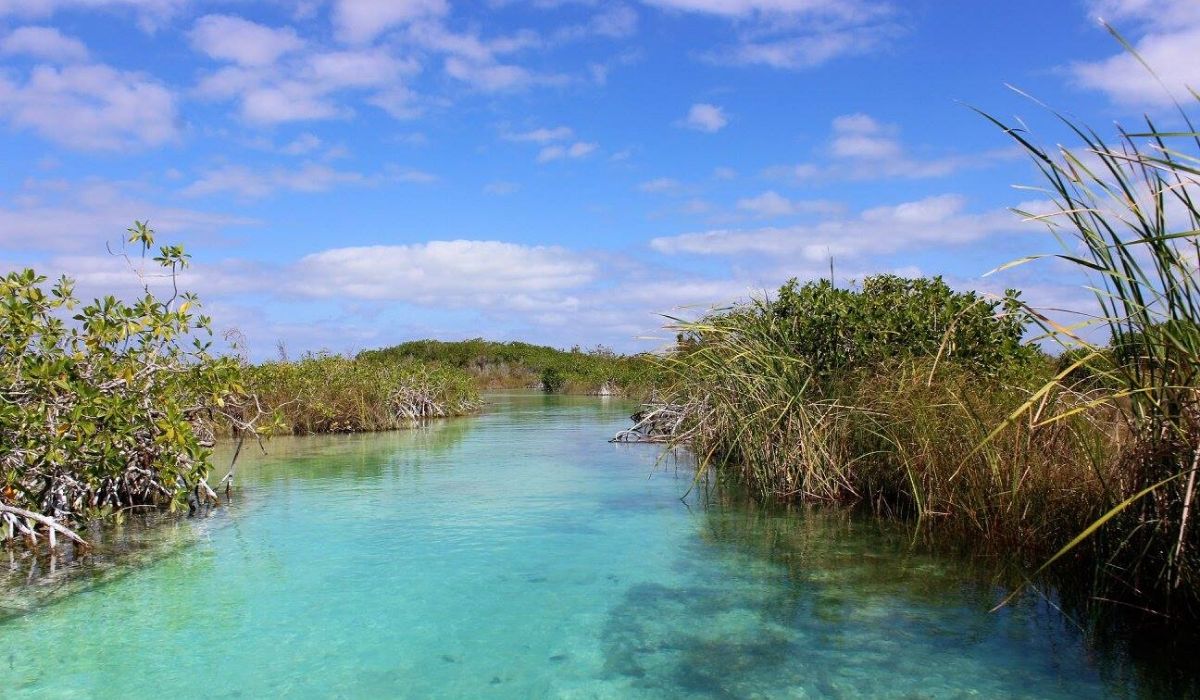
[
  {"x": 302, "y": 144},
  {"x": 579, "y": 149},
  {"x": 863, "y": 148},
  {"x": 360, "y": 21},
  {"x": 614, "y": 22},
  {"x": 939, "y": 220},
  {"x": 723, "y": 172},
  {"x": 795, "y": 34},
  {"x": 245, "y": 43},
  {"x": 444, "y": 272},
  {"x": 771, "y": 204},
  {"x": 91, "y": 107},
  {"x": 151, "y": 14},
  {"x": 411, "y": 176},
  {"x": 1167, "y": 33},
  {"x": 542, "y": 135},
  {"x": 304, "y": 88},
  {"x": 43, "y": 42},
  {"x": 245, "y": 182},
  {"x": 68, "y": 216},
  {"x": 746, "y": 8},
  {"x": 488, "y": 76},
  {"x": 661, "y": 185},
  {"x": 705, "y": 117}
]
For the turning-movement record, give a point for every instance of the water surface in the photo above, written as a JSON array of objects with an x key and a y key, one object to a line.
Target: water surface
[{"x": 517, "y": 554}]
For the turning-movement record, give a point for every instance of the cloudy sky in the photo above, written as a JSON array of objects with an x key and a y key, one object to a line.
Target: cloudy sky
[{"x": 352, "y": 173}]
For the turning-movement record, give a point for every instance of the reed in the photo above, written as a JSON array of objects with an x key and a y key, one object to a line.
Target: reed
[
  {"x": 334, "y": 394},
  {"x": 1127, "y": 214},
  {"x": 853, "y": 397}
]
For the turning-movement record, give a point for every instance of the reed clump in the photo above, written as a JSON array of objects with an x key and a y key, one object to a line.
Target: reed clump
[
  {"x": 924, "y": 402},
  {"x": 888, "y": 394},
  {"x": 324, "y": 393},
  {"x": 1127, "y": 210}
]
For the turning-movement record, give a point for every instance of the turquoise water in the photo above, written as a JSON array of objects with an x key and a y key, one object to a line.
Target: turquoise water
[{"x": 519, "y": 555}]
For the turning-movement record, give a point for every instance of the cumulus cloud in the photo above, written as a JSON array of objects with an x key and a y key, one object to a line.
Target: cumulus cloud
[
  {"x": 69, "y": 216},
  {"x": 1167, "y": 33},
  {"x": 579, "y": 149},
  {"x": 771, "y": 204},
  {"x": 540, "y": 135},
  {"x": 360, "y": 21},
  {"x": 795, "y": 34},
  {"x": 661, "y": 185},
  {"x": 705, "y": 117},
  {"x": 46, "y": 43},
  {"x": 938, "y": 220},
  {"x": 151, "y": 14},
  {"x": 861, "y": 147},
  {"x": 91, "y": 107},
  {"x": 305, "y": 87},
  {"x": 450, "y": 272},
  {"x": 240, "y": 41}
]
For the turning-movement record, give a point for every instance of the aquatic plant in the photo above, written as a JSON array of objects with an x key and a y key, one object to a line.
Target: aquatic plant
[
  {"x": 111, "y": 408},
  {"x": 881, "y": 394},
  {"x": 1128, "y": 215}
]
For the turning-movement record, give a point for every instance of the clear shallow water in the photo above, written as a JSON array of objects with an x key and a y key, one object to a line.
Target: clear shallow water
[{"x": 517, "y": 554}]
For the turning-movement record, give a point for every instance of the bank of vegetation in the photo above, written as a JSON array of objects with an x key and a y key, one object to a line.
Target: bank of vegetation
[
  {"x": 923, "y": 402},
  {"x": 113, "y": 407},
  {"x": 322, "y": 393},
  {"x": 512, "y": 365}
]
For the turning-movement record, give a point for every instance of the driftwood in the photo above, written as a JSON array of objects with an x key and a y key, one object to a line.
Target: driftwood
[
  {"x": 13, "y": 515},
  {"x": 654, "y": 423}
]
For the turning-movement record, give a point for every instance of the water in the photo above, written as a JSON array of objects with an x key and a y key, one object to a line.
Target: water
[{"x": 517, "y": 554}]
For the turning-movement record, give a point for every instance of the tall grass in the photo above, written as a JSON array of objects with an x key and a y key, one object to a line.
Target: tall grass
[
  {"x": 333, "y": 394},
  {"x": 898, "y": 428},
  {"x": 1127, "y": 213},
  {"x": 1091, "y": 456}
]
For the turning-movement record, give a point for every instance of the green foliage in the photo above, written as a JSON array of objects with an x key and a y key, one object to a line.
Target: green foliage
[
  {"x": 332, "y": 394},
  {"x": 552, "y": 380},
  {"x": 496, "y": 365},
  {"x": 890, "y": 317},
  {"x": 109, "y": 408},
  {"x": 882, "y": 394}
]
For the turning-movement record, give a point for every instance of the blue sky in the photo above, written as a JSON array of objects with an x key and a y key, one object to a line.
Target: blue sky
[{"x": 352, "y": 173}]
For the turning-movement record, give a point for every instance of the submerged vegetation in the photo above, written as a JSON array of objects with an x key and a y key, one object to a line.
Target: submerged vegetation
[{"x": 495, "y": 365}]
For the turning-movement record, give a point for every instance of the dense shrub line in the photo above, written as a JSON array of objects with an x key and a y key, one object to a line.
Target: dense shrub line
[{"x": 496, "y": 365}]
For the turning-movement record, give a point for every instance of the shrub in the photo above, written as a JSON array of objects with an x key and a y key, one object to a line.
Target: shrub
[{"x": 113, "y": 409}]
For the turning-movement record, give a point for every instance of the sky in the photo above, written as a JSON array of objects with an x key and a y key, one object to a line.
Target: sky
[{"x": 350, "y": 174}]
